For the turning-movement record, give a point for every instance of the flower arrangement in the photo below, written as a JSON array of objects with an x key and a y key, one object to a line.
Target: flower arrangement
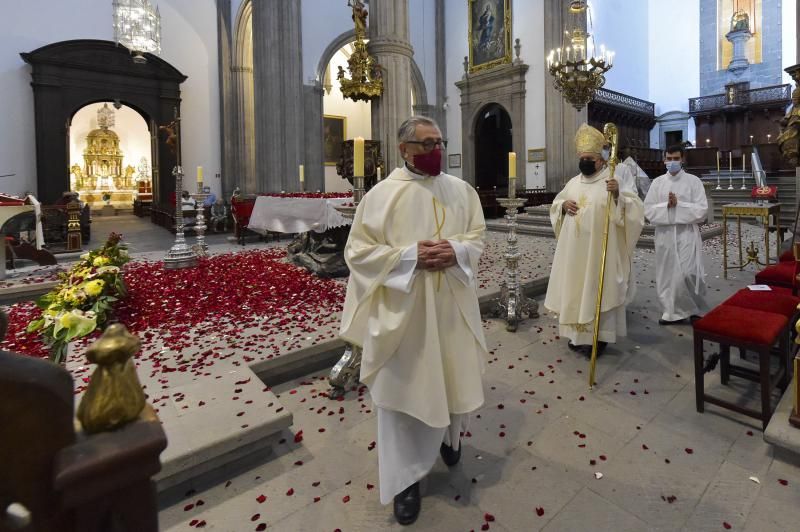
[{"x": 83, "y": 300}]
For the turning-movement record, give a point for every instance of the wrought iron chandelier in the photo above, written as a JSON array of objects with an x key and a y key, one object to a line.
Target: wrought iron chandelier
[
  {"x": 137, "y": 27},
  {"x": 578, "y": 67},
  {"x": 366, "y": 75}
]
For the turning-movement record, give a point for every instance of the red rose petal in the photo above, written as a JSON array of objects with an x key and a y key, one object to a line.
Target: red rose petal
[
  {"x": 783, "y": 482},
  {"x": 290, "y": 492},
  {"x": 488, "y": 517},
  {"x": 261, "y": 498},
  {"x": 255, "y": 517},
  {"x": 689, "y": 450},
  {"x": 539, "y": 511},
  {"x": 485, "y": 526},
  {"x": 726, "y": 525},
  {"x": 261, "y": 527},
  {"x": 346, "y": 499}
]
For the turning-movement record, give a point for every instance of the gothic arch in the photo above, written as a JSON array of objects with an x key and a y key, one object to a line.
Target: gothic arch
[{"x": 244, "y": 160}]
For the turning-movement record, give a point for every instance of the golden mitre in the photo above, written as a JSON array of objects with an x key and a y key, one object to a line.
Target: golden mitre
[{"x": 589, "y": 140}]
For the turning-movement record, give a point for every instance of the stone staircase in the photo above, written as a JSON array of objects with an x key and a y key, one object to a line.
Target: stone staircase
[
  {"x": 787, "y": 193},
  {"x": 536, "y": 221}
]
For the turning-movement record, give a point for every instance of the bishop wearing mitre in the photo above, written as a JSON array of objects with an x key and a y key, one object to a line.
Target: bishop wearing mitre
[
  {"x": 578, "y": 216},
  {"x": 412, "y": 307}
]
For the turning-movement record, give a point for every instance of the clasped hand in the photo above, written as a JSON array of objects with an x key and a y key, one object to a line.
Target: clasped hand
[
  {"x": 435, "y": 255},
  {"x": 612, "y": 185},
  {"x": 673, "y": 201}
]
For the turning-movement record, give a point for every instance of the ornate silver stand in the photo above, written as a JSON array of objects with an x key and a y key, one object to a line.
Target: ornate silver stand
[
  {"x": 513, "y": 305},
  {"x": 200, "y": 248},
  {"x": 345, "y": 372},
  {"x": 180, "y": 254}
]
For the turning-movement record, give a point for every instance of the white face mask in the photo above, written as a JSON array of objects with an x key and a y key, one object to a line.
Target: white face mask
[
  {"x": 605, "y": 154},
  {"x": 673, "y": 167}
]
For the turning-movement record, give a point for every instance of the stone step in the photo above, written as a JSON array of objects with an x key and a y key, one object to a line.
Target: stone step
[{"x": 646, "y": 240}]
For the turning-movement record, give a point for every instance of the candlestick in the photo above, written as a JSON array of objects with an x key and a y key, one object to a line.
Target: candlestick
[
  {"x": 358, "y": 156},
  {"x": 512, "y": 164},
  {"x": 730, "y": 170},
  {"x": 379, "y": 173},
  {"x": 718, "y": 157},
  {"x": 743, "y": 168},
  {"x": 199, "y": 174}
]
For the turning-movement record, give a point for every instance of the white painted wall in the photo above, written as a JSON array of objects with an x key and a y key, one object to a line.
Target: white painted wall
[
  {"x": 422, "y": 34},
  {"x": 358, "y": 122},
  {"x": 189, "y": 43},
  {"x": 130, "y": 127}
]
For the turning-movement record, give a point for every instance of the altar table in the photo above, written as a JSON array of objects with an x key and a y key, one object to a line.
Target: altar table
[{"x": 296, "y": 215}]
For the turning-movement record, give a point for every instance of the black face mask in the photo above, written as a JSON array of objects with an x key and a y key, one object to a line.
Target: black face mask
[{"x": 587, "y": 167}]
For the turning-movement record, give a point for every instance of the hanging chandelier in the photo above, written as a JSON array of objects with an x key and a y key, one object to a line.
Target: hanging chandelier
[
  {"x": 578, "y": 67},
  {"x": 137, "y": 27},
  {"x": 366, "y": 77}
]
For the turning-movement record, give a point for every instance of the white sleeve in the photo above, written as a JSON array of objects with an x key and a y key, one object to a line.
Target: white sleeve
[
  {"x": 462, "y": 269},
  {"x": 401, "y": 277}
]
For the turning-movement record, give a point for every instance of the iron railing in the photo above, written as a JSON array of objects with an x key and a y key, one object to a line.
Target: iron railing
[
  {"x": 617, "y": 99},
  {"x": 762, "y": 95}
]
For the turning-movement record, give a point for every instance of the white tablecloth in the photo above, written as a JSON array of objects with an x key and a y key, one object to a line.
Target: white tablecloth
[{"x": 296, "y": 215}]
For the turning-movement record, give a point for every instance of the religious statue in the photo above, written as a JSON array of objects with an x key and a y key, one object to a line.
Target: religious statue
[
  {"x": 789, "y": 139},
  {"x": 172, "y": 137},
  {"x": 359, "y": 17},
  {"x": 740, "y": 21}
]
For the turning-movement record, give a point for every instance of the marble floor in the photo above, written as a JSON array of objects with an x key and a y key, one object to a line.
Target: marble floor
[{"x": 544, "y": 452}]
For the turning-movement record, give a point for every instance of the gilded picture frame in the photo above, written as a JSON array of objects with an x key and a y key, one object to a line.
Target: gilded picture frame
[
  {"x": 489, "y": 38},
  {"x": 537, "y": 155},
  {"x": 334, "y": 133}
]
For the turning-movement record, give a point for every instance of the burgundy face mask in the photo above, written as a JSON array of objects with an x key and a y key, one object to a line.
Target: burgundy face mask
[{"x": 430, "y": 163}]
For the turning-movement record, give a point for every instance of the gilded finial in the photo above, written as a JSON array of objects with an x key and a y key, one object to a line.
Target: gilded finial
[{"x": 114, "y": 396}]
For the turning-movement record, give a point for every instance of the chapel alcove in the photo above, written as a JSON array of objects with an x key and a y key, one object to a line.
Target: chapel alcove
[
  {"x": 493, "y": 141},
  {"x": 70, "y": 75},
  {"x": 110, "y": 155}
]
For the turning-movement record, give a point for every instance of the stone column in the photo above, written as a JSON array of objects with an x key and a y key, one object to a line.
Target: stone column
[
  {"x": 228, "y": 122},
  {"x": 278, "y": 94},
  {"x": 389, "y": 45},
  {"x": 561, "y": 119},
  {"x": 441, "y": 67}
]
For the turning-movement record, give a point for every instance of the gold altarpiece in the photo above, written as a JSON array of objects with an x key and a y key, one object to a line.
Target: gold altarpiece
[{"x": 103, "y": 178}]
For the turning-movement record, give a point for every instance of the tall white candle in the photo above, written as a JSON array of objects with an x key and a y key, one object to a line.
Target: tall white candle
[
  {"x": 302, "y": 174},
  {"x": 358, "y": 156}
]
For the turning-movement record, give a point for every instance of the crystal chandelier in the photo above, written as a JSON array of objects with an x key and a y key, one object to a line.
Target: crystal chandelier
[
  {"x": 578, "y": 67},
  {"x": 137, "y": 27}
]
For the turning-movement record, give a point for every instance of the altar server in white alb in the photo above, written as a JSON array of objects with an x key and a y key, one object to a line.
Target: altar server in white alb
[
  {"x": 676, "y": 204},
  {"x": 412, "y": 306}
]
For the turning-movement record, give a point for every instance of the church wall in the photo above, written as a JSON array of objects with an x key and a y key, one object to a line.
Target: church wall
[
  {"x": 188, "y": 44},
  {"x": 622, "y": 26},
  {"x": 789, "y": 46},
  {"x": 422, "y": 34},
  {"x": 528, "y": 26}
]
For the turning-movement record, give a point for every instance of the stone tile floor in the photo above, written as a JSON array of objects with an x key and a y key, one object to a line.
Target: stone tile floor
[{"x": 544, "y": 452}]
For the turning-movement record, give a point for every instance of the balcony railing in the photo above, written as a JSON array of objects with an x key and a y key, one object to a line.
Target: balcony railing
[
  {"x": 617, "y": 99},
  {"x": 763, "y": 95}
]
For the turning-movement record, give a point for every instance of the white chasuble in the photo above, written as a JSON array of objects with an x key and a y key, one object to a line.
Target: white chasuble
[
  {"x": 423, "y": 345},
  {"x": 574, "y": 278},
  {"x": 680, "y": 277}
]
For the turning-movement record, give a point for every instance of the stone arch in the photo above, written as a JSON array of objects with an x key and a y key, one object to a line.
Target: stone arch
[{"x": 244, "y": 160}]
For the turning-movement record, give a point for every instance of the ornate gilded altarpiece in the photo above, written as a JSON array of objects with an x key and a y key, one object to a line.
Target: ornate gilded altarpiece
[{"x": 729, "y": 14}]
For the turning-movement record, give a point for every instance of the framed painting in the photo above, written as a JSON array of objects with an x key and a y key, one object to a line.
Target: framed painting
[
  {"x": 454, "y": 160},
  {"x": 489, "y": 33},
  {"x": 334, "y": 132}
]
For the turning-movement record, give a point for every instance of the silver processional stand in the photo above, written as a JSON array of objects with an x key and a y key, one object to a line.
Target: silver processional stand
[
  {"x": 345, "y": 372},
  {"x": 513, "y": 305},
  {"x": 180, "y": 254}
]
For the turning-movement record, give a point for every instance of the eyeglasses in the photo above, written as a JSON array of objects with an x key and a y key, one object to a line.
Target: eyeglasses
[{"x": 429, "y": 145}]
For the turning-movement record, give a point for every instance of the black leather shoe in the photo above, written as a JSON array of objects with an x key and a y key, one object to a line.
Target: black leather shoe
[
  {"x": 575, "y": 347},
  {"x": 674, "y": 322},
  {"x": 449, "y": 455},
  {"x": 407, "y": 504}
]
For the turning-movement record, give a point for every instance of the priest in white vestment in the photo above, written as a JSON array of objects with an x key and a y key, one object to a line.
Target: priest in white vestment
[
  {"x": 578, "y": 216},
  {"x": 412, "y": 306},
  {"x": 676, "y": 204}
]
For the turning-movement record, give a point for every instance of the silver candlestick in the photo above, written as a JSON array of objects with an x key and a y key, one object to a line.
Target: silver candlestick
[
  {"x": 180, "y": 254},
  {"x": 200, "y": 248},
  {"x": 345, "y": 373},
  {"x": 513, "y": 305}
]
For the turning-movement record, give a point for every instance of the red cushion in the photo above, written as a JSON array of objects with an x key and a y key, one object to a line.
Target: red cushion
[
  {"x": 778, "y": 274},
  {"x": 742, "y": 325},
  {"x": 777, "y": 303}
]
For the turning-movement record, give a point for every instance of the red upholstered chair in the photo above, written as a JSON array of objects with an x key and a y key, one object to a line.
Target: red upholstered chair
[
  {"x": 242, "y": 209},
  {"x": 750, "y": 330}
]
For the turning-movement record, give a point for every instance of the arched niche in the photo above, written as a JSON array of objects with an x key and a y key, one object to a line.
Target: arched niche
[
  {"x": 69, "y": 75},
  {"x": 493, "y": 140}
]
